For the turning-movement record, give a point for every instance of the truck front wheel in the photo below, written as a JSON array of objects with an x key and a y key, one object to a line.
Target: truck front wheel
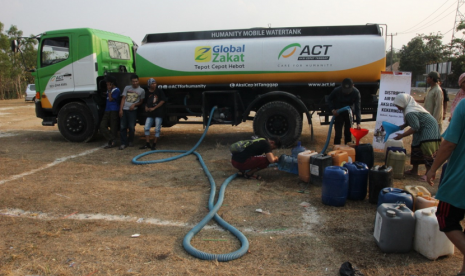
[
  {"x": 278, "y": 119},
  {"x": 76, "y": 123}
]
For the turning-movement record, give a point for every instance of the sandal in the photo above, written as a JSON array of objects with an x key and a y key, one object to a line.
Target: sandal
[
  {"x": 253, "y": 176},
  {"x": 423, "y": 179}
]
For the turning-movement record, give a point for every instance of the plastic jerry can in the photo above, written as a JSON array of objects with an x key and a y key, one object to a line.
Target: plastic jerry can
[
  {"x": 318, "y": 163},
  {"x": 303, "y": 161},
  {"x": 393, "y": 149},
  {"x": 297, "y": 149},
  {"x": 396, "y": 160},
  {"x": 351, "y": 144},
  {"x": 415, "y": 190},
  {"x": 335, "y": 186},
  {"x": 337, "y": 146},
  {"x": 395, "y": 195},
  {"x": 394, "y": 228},
  {"x": 393, "y": 143},
  {"x": 378, "y": 178},
  {"x": 424, "y": 201},
  {"x": 288, "y": 164},
  {"x": 358, "y": 180},
  {"x": 364, "y": 153},
  {"x": 350, "y": 151},
  {"x": 339, "y": 157},
  {"x": 429, "y": 241}
]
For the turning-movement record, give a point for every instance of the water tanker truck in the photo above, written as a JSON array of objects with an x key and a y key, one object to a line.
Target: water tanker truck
[{"x": 273, "y": 76}]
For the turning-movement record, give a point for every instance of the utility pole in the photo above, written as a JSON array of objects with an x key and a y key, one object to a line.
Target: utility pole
[
  {"x": 391, "y": 35},
  {"x": 459, "y": 17}
]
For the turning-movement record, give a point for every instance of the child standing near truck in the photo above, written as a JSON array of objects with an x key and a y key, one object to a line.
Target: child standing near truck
[{"x": 154, "y": 108}]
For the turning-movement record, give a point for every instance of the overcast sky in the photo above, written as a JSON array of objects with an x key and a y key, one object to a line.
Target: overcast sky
[{"x": 137, "y": 18}]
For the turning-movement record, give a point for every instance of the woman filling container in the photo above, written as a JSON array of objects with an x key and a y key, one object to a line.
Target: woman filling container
[{"x": 424, "y": 128}]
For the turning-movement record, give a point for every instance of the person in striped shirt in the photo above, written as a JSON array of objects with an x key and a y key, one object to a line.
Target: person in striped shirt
[{"x": 423, "y": 127}]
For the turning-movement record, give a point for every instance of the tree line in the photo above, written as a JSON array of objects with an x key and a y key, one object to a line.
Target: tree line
[
  {"x": 14, "y": 77},
  {"x": 429, "y": 49}
]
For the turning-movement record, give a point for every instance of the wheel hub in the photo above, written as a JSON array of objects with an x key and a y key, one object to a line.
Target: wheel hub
[
  {"x": 75, "y": 123},
  {"x": 277, "y": 125}
]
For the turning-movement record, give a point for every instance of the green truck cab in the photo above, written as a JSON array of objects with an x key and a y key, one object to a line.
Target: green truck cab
[{"x": 71, "y": 67}]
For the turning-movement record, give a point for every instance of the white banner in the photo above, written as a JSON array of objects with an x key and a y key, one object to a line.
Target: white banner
[{"x": 392, "y": 84}]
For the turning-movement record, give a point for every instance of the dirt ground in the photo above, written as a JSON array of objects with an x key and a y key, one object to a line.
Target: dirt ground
[{"x": 72, "y": 208}]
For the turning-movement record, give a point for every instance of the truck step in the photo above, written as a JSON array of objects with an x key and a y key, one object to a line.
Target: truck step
[{"x": 50, "y": 121}]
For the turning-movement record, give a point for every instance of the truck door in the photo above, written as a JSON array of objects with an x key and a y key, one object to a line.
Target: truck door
[
  {"x": 85, "y": 65},
  {"x": 55, "y": 73}
]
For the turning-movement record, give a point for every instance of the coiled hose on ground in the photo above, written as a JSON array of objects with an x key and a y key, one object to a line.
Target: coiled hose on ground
[{"x": 211, "y": 206}]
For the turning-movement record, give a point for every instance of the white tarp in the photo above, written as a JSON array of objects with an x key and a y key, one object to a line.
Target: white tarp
[
  {"x": 441, "y": 68},
  {"x": 392, "y": 84}
]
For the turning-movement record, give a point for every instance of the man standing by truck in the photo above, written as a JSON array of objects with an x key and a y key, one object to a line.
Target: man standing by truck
[
  {"x": 154, "y": 108},
  {"x": 110, "y": 117},
  {"x": 342, "y": 96},
  {"x": 434, "y": 99},
  {"x": 133, "y": 96}
]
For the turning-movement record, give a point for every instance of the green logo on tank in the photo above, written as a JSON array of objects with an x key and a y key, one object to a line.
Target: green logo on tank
[
  {"x": 295, "y": 45},
  {"x": 203, "y": 54}
]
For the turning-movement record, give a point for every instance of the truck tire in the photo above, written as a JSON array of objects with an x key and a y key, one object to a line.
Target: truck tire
[
  {"x": 278, "y": 119},
  {"x": 76, "y": 123}
]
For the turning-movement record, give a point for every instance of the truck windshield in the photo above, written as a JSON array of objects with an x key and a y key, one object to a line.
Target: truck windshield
[{"x": 54, "y": 50}]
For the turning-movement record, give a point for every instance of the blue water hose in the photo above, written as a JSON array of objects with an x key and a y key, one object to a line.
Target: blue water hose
[
  {"x": 185, "y": 103},
  {"x": 339, "y": 111},
  {"x": 211, "y": 206}
]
